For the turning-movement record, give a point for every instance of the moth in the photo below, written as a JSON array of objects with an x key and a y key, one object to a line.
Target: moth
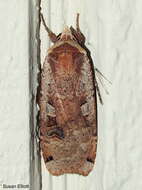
[{"x": 68, "y": 104}]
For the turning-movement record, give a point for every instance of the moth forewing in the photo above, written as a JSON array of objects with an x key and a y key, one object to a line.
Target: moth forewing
[{"x": 68, "y": 105}]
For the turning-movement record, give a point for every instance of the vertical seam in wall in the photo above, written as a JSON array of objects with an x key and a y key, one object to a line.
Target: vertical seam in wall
[
  {"x": 34, "y": 62},
  {"x": 65, "y": 182}
]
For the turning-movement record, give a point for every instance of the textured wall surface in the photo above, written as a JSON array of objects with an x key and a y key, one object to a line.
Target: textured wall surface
[
  {"x": 113, "y": 32},
  {"x": 14, "y": 93}
]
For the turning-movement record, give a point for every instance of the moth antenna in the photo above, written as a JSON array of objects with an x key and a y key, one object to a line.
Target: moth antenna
[
  {"x": 99, "y": 72},
  {"x": 80, "y": 37},
  {"x": 77, "y": 22},
  {"x": 44, "y": 24},
  {"x": 52, "y": 36}
]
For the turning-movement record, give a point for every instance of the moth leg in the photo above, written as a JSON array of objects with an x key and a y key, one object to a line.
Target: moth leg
[
  {"x": 99, "y": 72},
  {"x": 101, "y": 82},
  {"x": 98, "y": 91},
  {"x": 52, "y": 36}
]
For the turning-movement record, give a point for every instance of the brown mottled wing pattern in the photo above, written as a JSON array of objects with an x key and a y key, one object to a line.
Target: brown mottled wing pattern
[
  {"x": 68, "y": 112},
  {"x": 89, "y": 108}
]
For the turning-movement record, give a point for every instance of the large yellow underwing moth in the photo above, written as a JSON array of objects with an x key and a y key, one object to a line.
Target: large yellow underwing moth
[{"x": 68, "y": 104}]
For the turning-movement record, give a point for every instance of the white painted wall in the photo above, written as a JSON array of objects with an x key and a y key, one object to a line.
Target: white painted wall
[
  {"x": 14, "y": 93},
  {"x": 113, "y": 32}
]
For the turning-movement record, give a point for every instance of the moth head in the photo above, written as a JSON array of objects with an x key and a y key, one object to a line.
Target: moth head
[
  {"x": 66, "y": 34},
  {"x": 71, "y": 34}
]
